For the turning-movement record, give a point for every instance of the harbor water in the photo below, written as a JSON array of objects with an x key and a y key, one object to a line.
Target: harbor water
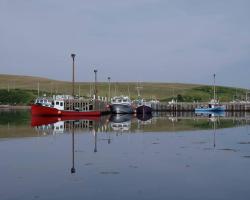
[{"x": 120, "y": 157}]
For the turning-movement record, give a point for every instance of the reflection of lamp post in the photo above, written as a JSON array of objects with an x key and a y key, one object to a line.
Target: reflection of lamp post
[
  {"x": 95, "y": 134},
  {"x": 109, "y": 88},
  {"x": 73, "y": 170},
  {"x": 73, "y": 74},
  {"x": 95, "y": 83}
]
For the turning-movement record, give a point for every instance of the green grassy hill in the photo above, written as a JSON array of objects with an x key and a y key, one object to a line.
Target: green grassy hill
[{"x": 24, "y": 89}]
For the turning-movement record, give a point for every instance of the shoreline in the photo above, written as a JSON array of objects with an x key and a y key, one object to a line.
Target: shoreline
[{"x": 16, "y": 107}]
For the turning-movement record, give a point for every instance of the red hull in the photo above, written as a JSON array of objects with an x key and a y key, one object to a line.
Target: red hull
[{"x": 48, "y": 111}]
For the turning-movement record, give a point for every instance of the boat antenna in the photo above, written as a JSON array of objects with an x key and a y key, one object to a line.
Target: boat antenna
[{"x": 73, "y": 74}]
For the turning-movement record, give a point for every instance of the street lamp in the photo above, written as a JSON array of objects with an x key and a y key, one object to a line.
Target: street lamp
[{"x": 73, "y": 74}]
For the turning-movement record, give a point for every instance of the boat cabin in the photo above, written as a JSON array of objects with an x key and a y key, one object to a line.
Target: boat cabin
[
  {"x": 44, "y": 101},
  {"x": 120, "y": 100},
  {"x": 59, "y": 104}
]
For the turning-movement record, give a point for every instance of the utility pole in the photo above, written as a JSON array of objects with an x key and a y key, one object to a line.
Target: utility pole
[{"x": 73, "y": 74}]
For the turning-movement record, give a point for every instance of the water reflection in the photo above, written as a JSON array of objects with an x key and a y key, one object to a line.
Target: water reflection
[
  {"x": 127, "y": 123},
  {"x": 73, "y": 170},
  {"x": 120, "y": 123},
  {"x": 17, "y": 123},
  {"x": 210, "y": 113},
  {"x": 175, "y": 151}
]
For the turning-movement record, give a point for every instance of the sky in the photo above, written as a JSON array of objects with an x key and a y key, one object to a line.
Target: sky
[{"x": 184, "y": 41}]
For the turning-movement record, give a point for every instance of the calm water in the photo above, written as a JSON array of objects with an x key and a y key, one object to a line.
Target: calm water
[{"x": 123, "y": 157}]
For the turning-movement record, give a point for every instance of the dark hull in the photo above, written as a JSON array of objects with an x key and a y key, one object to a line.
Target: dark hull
[
  {"x": 121, "y": 109},
  {"x": 143, "y": 109},
  {"x": 144, "y": 117}
]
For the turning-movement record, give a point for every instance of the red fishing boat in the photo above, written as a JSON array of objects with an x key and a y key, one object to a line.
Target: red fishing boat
[{"x": 57, "y": 107}]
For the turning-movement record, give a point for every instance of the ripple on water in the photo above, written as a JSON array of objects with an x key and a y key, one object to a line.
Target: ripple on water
[
  {"x": 244, "y": 142},
  {"x": 246, "y": 156},
  {"x": 109, "y": 172},
  {"x": 228, "y": 149}
]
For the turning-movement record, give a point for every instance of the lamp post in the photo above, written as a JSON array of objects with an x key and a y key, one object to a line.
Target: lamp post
[
  {"x": 73, "y": 74},
  {"x": 95, "y": 83},
  {"x": 109, "y": 88}
]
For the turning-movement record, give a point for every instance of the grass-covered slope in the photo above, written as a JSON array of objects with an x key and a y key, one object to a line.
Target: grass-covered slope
[{"x": 24, "y": 89}]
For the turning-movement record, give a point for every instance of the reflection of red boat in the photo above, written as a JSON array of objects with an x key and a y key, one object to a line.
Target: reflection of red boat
[
  {"x": 43, "y": 120},
  {"x": 50, "y": 111}
]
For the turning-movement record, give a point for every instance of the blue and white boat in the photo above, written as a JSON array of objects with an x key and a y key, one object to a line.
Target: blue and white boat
[{"x": 213, "y": 105}]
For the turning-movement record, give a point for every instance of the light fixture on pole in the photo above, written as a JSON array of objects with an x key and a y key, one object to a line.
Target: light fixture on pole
[{"x": 73, "y": 74}]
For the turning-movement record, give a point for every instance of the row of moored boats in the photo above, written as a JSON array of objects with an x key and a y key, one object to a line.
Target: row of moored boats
[{"x": 56, "y": 106}]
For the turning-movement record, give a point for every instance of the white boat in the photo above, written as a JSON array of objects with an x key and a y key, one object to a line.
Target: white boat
[{"x": 121, "y": 105}]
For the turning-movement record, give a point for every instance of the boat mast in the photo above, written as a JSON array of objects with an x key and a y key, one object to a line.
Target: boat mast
[
  {"x": 138, "y": 89},
  {"x": 214, "y": 88},
  {"x": 73, "y": 74},
  {"x": 109, "y": 88},
  {"x": 95, "y": 91}
]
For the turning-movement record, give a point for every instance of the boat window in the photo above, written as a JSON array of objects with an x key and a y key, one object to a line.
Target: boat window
[
  {"x": 119, "y": 100},
  {"x": 61, "y": 103},
  {"x": 45, "y": 100},
  {"x": 57, "y": 103}
]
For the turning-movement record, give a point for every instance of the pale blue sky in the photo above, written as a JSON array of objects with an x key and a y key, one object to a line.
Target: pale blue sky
[{"x": 128, "y": 40}]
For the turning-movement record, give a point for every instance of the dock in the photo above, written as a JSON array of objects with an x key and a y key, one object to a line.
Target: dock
[
  {"x": 86, "y": 105},
  {"x": 190, "y": 107}
]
